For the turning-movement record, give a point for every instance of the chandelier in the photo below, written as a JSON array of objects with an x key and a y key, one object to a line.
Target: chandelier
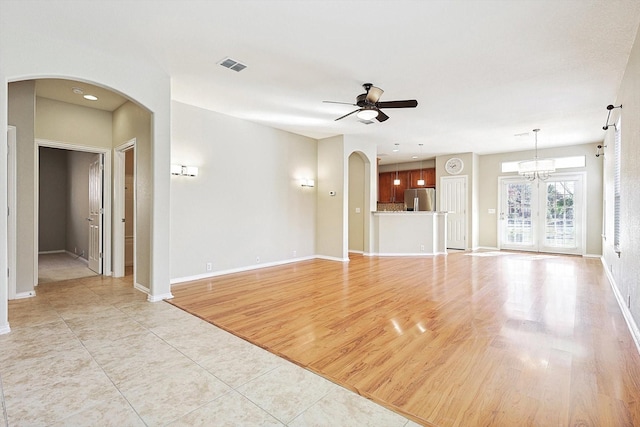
[{"x": 536, "y": 168}]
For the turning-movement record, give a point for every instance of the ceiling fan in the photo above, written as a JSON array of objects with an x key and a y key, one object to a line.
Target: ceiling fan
[{"x": 370, "y": 106}]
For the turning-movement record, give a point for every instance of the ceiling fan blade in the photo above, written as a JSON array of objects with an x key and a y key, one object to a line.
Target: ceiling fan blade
[
  {"x": 338, "y": 102},
  {"x": 381, "y": 116},
  {"x": 374, "y": 94},
  {"x": 409, "y": 103},
  {"x": 353, "y": 112}
]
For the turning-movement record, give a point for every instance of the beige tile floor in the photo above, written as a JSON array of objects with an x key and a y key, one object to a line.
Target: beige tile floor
[{"x": 94, "y": 352}]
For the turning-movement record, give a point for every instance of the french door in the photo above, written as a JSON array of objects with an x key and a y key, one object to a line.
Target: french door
[{"x": 543, "y": 216}]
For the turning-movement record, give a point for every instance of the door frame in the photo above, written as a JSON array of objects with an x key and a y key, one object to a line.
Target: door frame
[
  {"x": 581, "y": 233},
  {"x": 106, "y": 201},
  {"x": 12, "y": 226},
  {"x": 119, "y": 207}
]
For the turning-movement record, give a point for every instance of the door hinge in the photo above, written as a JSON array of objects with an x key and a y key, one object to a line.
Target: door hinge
[
  {"x": 101, "y": 211},
  {"x": 100, "y": 255}
]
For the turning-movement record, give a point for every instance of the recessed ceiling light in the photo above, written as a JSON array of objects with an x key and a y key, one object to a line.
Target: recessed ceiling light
[
  {"x": 91, "y": 97},
  {"x": 77, "y": 90},
  {"x": 414, "y": 157}
]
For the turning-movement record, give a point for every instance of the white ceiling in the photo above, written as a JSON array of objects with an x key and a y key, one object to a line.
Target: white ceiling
[{"x": 482, "y": 71}]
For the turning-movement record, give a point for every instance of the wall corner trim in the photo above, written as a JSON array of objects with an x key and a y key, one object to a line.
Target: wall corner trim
[
  {"x": 5, "y": 329},
  {"x": 161, "y": 297},
  {"x": 631, "y": 324},
  {"x": 28, "y": 294}
]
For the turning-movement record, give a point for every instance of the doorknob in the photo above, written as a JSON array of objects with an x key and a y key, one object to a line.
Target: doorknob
[{"x": 89, "y": 219}]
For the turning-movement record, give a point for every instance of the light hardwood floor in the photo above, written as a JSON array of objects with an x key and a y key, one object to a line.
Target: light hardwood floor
[{"x": 468, "y": 339}]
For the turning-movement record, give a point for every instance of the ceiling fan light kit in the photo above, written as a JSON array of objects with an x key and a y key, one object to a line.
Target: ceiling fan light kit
[
  {"x": 367, "y": 114},
  {"x": 370, "y": 106}
]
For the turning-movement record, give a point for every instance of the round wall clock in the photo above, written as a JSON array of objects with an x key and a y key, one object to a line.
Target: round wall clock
[{"x": 454, "y": 166}]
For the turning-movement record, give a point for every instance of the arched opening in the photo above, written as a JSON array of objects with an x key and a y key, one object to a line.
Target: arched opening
[
  {"x": 358, "y": 217},
  {"x": 61, "y": 130}
]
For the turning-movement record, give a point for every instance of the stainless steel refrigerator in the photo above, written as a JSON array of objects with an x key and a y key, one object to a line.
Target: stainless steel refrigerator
[{"x": 420, "y": 199}]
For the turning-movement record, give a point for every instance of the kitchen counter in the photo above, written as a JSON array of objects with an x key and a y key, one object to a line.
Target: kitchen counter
[{"x": 409, "y": 233}]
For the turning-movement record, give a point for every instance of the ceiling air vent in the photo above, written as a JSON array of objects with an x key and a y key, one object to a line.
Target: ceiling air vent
[{"x": 232, "y": 64}]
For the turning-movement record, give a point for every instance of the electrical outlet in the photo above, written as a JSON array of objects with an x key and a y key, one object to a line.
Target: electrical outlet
[
  {"x": 209, "y": 266},
  {"x": 257, "y": 259},
  {"x": 294, "y": 253},
  {"x": 422, "y": 248},
  {"x": 75, "y": 250}
]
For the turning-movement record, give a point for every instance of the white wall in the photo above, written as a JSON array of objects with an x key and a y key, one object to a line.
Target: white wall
[
  {"x": 331, "y": 232},
  {"x": 625, "y": 269},
  {"x": 73, "y": 124},
  {"x": 246, "y": 202}
]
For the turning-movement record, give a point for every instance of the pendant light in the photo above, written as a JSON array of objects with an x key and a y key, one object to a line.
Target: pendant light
[
  {"x": 536, "y": 168},
  {"x": 421, "y": 180}
]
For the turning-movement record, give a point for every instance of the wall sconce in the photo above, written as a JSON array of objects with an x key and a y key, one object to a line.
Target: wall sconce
[
  {"x": 181, "y": 170},
  {"x": 304, "y": 182}
]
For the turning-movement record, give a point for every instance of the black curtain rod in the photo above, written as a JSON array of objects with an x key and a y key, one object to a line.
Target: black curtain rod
[{"x": 606, "y": 124}]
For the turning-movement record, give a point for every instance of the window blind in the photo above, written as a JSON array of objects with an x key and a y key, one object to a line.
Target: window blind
[{"x": 616, "y": 186}]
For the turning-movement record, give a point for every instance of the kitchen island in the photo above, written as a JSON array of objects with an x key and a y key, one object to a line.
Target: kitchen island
[{"x": 409, "y": 233}]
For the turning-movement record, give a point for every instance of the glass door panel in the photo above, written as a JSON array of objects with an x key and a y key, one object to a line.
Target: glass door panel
[
  {"x": 517, "y": 226},
  {"x": 562, "y": 215}
]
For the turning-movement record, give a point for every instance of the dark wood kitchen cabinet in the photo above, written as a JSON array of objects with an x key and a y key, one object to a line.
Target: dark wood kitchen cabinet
[{"x": 390, "y": 193}]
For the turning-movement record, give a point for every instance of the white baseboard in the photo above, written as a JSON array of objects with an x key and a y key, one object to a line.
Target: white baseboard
[
  {"x": 161, "y": 297},
  {"x": 5, "y": 329},
  {"x": 23, "y": 295},
  {"x": 628, "y": 317},
  {"x": 591, "y": 256},
  {"x": 331, "y": 258},
  {"x": 485, "y": 248},
  {"x": 409, "y": 254},
  {"x": 236, "y": 270},
  {"x": 353, "y": 251},
  {"x": 59, "y": 251}
]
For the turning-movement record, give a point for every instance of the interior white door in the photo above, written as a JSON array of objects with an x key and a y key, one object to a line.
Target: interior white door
[
  {"x": 453, "y": 199},
  {"x": 95, "y": 215},
  {"x": 543, "y": 216}
]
